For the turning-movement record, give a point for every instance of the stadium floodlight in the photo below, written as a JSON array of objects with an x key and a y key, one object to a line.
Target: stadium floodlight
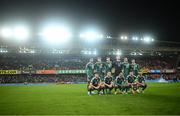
[
  {"x": 89, "y": 52},
  {"x": 85, "y": 52},
  {"x": 135, "y": 38},
  {"x": 124, "y": 37},
  {"x": 56, "y": 34},
  {"x": 91, "y": 36},
  {"x": 147, "y": 39},
  {"x": 152, "y": 39},
  {"x": 6, "y": 32},
  {"x": 109, "y": 37},
  {"x": 21, "y": 33},
  {"x": 3, "y": 51},
  {"x": 95, "y": 52}
]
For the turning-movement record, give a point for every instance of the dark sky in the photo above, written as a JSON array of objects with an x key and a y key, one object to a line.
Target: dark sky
[{"x": 159, "y": 18}]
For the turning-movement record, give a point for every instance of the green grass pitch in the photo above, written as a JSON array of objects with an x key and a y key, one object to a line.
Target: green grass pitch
[{"x": 159, "y": 98}]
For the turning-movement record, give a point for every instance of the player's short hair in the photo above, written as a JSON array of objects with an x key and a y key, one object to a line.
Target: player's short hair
[{"x": 96, "y": 73}]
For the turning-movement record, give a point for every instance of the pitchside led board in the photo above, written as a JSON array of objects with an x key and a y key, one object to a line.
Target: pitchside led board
[
  {"x": 12, "y": 72},
  {"x": 8, "y": 72},
  {"x": 42, "y": 72},
  {"x": 60, "y": 71}
]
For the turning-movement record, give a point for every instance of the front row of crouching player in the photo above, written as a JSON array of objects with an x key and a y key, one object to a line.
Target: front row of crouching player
[{"x": 131, "y": 84}]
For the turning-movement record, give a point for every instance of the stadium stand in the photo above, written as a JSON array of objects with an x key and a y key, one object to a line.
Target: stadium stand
[{"x": 32, "y": 62}]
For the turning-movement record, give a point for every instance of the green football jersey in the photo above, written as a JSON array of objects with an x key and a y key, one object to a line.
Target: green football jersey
[
  {"x": 119, "y": 81},
  {"x": 134, "y": 68},
  {"x": 101, "y": 69},
  {"x": 90, "y": 70},
  {"x": 95, "y": 81},
  {"x": 140, "y": 79},
  {"x": 108, "y": 66},
  {"x": 126, "y": 69},
  {"x": 131, "y": 78}
]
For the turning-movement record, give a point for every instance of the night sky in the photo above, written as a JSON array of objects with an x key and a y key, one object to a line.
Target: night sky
[{"x": 154, "y": 17}]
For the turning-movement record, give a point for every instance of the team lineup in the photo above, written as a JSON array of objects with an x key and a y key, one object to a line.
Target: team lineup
[{"x": 123, "y": 77}]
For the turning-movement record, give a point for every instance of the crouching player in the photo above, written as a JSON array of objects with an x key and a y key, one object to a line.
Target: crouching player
[
  {"x": 108, "y": 84},
  {"x": 95, "y": 84},
  {"x": 141, "y": 83},
  {"x": 131, "y": 83},
  {"x": 119, "y": 83}
]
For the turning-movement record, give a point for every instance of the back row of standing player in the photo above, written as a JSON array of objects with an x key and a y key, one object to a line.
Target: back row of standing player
[{"x": 116, "y": 68}]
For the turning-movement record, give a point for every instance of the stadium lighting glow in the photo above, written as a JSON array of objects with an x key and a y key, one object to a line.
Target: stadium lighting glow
[
  {"x": 109, "y": 37},
  {"x": 91, "y": 36},
  {"x": 95, "y": 52},
  {"x": 148, "y": 39},
  {"x": 54, "y": 34},
  {"x": 124, "y": 37},
  {"x": 6, "y": 32},
  {"x": 85, "y": 52},
  {"x": 89, "y": 52},
  {"x": 3, "y": 51},
  {"x": 20, "y": 33},
  {"x": 135, "y": 38}
]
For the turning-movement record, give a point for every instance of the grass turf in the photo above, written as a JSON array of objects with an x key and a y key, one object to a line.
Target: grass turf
[{"x": 159, "y": 98}]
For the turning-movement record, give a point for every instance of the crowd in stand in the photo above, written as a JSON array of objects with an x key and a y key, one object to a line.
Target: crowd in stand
[
  {"x": 164, "y": 76},
  {"x": 42, "y": 78},
  {"x": 33, "y": 62},
  {"x": 18, "y": 62}
]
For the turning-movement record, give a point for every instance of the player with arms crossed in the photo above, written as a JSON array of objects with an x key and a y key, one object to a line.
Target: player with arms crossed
[
  {"x": 134, "y": 67},
  {"x": 126, "y": 67},
  {"x": 100, "y": 68},
  {"x": 89, "y": 71},
  {"x": 108, "y": 64},
  {"x": 117, "y": 67},
  {"x": 108, "y": 82},
  {"x": 95, "y": 84}
]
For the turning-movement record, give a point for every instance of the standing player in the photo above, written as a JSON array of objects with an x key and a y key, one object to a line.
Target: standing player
[
  {"x": 117, "y": 67},
  {"x": 141, "y": 82},
  {"x": 95, "y": 84},
  {"x": 89, "y": 71},
  {"x": 108, "y": 82},
  {"x": 119, "y": 83},
  {"x": 100, "y": 68},
  {"x": 131, "y": 79},
  {"x": 126, "y": 67},
  {"x": 108, "y": 64},
  {"x": 134, "y": 67}
]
